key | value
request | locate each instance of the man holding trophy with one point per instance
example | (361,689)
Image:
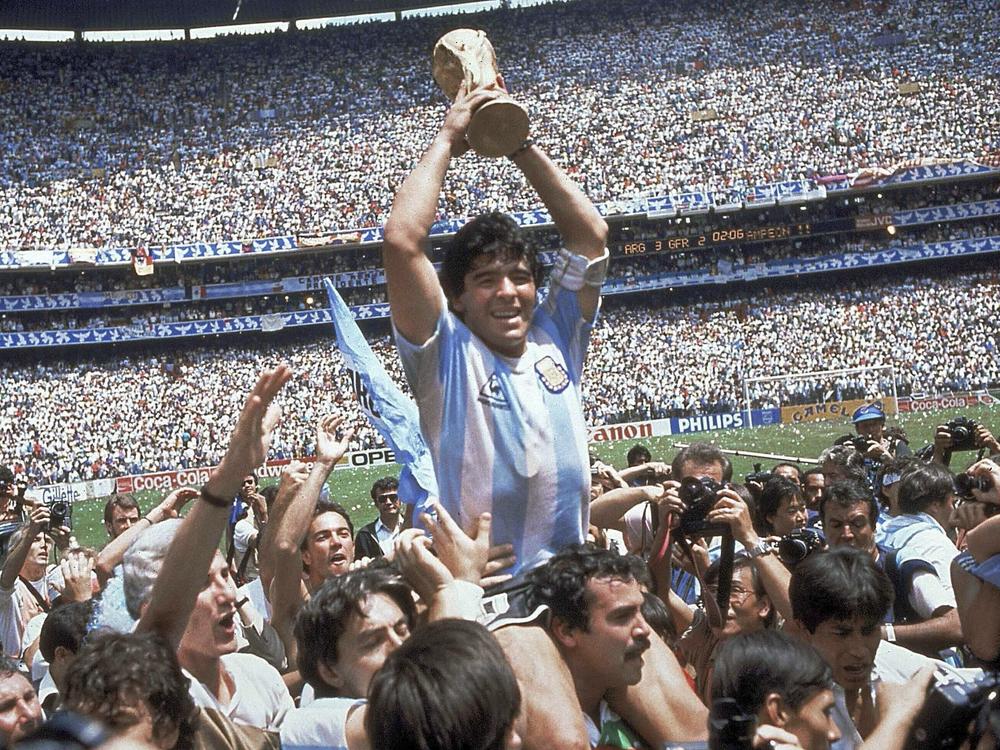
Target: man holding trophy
(496,377)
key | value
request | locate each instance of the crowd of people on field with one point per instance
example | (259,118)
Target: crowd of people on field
(121,145)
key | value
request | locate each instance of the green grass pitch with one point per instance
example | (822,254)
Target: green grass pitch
(350,487)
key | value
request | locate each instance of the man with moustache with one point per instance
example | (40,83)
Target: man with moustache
(376,538)
(595,599)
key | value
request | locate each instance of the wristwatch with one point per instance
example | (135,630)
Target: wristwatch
(763,547)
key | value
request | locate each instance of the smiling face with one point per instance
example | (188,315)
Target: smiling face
(211,629)
(497,303)
(329,548)
(849,647)
(747,611)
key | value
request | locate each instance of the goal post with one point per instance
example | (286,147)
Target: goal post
(872,382)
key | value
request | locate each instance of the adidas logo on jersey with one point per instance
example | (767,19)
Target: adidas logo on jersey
(492,393)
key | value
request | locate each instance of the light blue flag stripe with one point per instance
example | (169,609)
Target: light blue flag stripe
(391,412)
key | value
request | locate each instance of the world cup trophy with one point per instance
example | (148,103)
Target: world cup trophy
(498,127)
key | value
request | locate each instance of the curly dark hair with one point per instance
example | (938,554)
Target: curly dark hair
(323,620)
(561,583)
(495,236)
(116,672)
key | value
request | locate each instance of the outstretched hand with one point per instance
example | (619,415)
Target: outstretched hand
(465,556)
(330,449)
(252,435)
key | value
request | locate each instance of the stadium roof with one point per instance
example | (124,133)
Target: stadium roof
(90,15)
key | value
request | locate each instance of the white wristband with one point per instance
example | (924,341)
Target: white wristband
(572,271)
(890,632)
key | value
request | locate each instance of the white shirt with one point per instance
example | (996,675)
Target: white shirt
(320,725)
(260,698)
(13,617)
(920,536)
(386,537)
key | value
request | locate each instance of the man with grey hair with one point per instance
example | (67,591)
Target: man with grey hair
(165,584)
(841,462)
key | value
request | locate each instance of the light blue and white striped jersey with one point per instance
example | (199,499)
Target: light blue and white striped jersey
(506,435)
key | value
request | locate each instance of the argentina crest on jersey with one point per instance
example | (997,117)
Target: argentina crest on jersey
(552,374)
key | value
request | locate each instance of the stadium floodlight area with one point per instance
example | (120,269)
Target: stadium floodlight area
(872,382)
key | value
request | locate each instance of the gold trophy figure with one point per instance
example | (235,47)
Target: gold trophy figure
(499,127)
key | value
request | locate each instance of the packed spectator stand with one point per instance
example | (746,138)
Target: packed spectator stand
(857,588)
(181,154)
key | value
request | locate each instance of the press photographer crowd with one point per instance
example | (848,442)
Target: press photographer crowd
(505,588)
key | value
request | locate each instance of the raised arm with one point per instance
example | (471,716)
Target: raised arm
(190,555)
(415,298)
(113,552)
(18,553)
(582,228)
(290,524)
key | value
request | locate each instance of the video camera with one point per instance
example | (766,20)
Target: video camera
(757,476)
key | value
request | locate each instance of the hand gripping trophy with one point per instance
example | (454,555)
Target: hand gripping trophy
(498,127)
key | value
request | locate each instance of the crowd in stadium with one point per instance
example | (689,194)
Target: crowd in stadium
(128,413)
(175,131)
(512,591)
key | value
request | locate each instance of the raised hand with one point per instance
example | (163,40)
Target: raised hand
(329,449)
(252,435)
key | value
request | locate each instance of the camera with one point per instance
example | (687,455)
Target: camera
(951,706)
(966,483)
(963,433)
(859,442)
(797,545)
(60,513)
(757,476)
(699,496)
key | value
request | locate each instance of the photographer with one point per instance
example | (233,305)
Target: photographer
(24,585)
(869,423)
(750,610)
(976,573)
(961,434)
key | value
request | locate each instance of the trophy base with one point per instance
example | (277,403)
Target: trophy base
(498,128)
